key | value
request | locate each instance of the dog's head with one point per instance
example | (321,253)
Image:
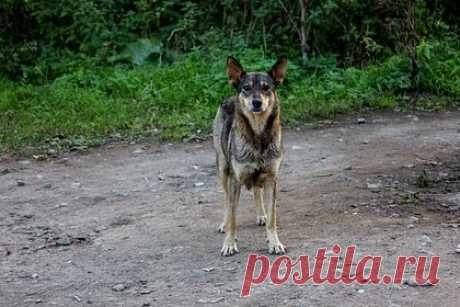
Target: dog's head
(256,90)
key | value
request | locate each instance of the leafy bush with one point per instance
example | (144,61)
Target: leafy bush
(439,68)
(179,100)
(43,39)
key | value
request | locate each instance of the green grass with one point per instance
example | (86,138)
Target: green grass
(178,101)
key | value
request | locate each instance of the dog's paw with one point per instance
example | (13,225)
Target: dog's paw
(276,248)
(274,244)
(229,248)
(261,220)
(221,228)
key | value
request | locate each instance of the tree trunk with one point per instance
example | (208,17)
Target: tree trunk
(302,33)
(412,44)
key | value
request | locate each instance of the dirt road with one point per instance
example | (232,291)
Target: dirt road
(136,225)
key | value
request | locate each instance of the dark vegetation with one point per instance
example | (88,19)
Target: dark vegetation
(73,73)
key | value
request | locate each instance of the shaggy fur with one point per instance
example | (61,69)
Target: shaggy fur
(248,143)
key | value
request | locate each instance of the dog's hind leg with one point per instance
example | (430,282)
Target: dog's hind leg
(222,173)
(274,244)
(229,247)
(260,209)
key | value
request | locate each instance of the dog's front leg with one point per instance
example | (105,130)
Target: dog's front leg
(260,209)
(274,244)
(229,248)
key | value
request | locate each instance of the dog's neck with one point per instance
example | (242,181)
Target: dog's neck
(263,128)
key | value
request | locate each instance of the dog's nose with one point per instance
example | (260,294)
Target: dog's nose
(257,104)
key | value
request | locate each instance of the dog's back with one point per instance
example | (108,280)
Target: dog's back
(222,126)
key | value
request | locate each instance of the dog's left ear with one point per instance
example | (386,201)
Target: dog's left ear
(278,70)
(234,70)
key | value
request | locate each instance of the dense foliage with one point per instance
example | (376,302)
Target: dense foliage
(74,73)
(41,39)
(179,101)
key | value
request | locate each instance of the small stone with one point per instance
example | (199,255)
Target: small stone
(296,147)
(348,168)
(20,183)
(63,160)
(119,287)
(374,186)
(146,291)
(39,157)
(361,121)
(425,240)
(365,142)
(413,219)
(138,151)
(122,194)
(5,171)
(77,298)
(361,291)
(421,250)
(4,252)
(412,282)
(47,186)
(208,269)
(443,175)
(63,241)
(410,166)
(61,205)
(35,276)
(458,249)
(199,184)
(410,226)
(76,185)
(161,178)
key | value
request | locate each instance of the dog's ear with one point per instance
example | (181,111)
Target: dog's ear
(234,70)
(278,70)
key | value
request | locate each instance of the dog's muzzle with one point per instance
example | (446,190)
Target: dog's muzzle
(256,106)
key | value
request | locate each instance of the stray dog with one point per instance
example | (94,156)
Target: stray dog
(247,140)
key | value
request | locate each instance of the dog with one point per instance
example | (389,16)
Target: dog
(248,143)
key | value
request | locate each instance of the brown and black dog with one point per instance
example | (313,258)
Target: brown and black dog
(248,143)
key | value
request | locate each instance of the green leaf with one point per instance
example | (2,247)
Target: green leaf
(139,51)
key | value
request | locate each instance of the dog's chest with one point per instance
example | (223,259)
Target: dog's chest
(252,162)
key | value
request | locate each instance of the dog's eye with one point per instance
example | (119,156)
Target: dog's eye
(246,88)
(265,88)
